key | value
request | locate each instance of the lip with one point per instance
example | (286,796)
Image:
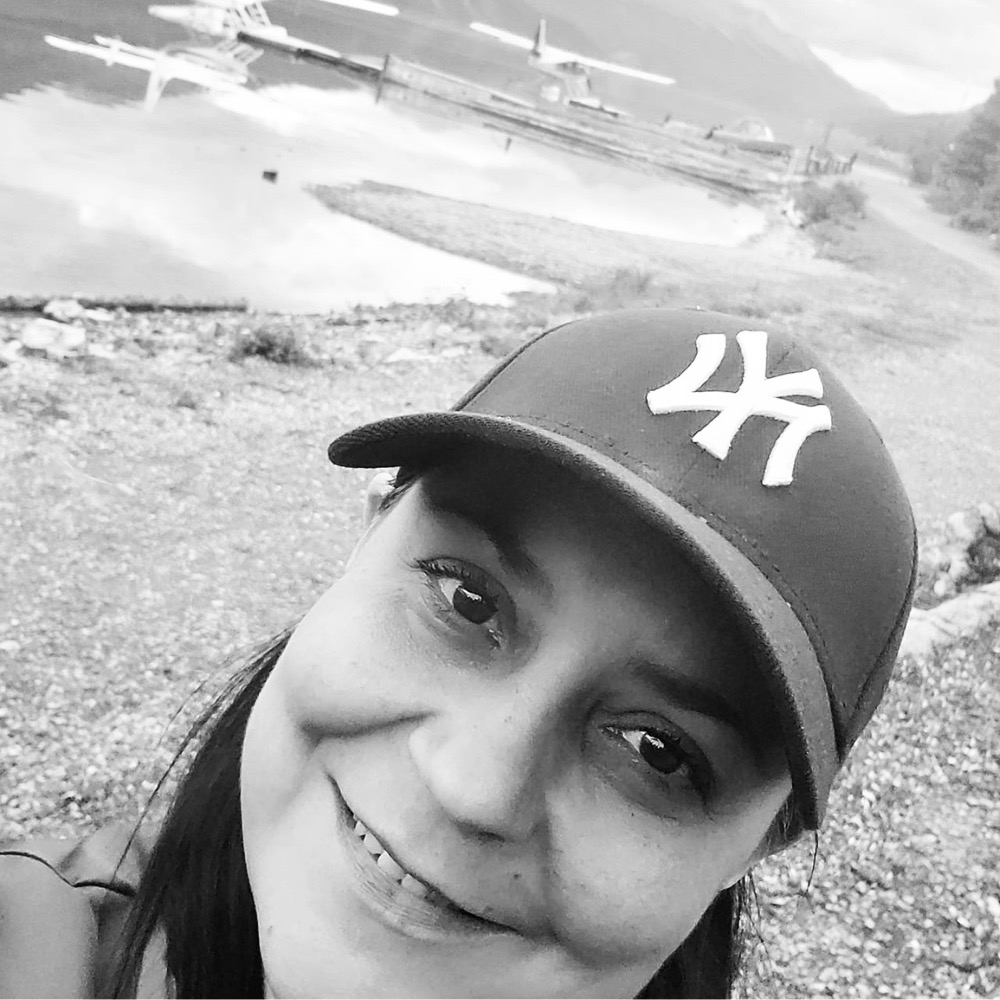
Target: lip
(433,917)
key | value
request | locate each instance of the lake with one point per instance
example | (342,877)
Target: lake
(98,197)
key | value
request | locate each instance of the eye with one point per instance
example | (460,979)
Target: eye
(464,596)
(668,761)
(467,601)
(662,752)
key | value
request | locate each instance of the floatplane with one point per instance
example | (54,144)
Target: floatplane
(243,29)
(571,71)
(247,22)
(224,66)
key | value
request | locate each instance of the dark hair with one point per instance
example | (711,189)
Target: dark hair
(195,887)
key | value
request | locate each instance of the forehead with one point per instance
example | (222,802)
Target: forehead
(519,498)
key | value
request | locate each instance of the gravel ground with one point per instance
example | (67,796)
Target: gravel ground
(165,506)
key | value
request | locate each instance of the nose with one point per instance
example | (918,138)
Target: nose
(489,764)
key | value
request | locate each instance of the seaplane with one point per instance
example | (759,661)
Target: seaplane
(247,22)
(570,70)
(224,66)
(228,18)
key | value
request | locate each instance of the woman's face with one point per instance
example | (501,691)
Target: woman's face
(516,750)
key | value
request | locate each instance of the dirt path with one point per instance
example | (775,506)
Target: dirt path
(904,206)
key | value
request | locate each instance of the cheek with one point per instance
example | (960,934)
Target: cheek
(342,669)
(636,901)
(633,886)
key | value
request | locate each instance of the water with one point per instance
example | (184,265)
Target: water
(98,197)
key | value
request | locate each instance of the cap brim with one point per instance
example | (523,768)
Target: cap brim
(780,643)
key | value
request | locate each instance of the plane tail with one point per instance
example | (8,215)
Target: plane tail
(539,47)
(154,89)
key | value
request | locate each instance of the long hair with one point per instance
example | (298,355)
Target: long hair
(195,888)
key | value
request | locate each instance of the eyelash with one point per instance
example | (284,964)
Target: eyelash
(470,577)
(695,767)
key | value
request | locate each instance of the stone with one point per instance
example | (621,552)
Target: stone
(990,517)
(934,558)
(98,315)
(9,352)
(63,310)
(404,354)
(965,526)
(51,338)
(971,612)
(958,568)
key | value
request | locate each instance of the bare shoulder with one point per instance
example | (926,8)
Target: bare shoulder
(48,931)
(59,902)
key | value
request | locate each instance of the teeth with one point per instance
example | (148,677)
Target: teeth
(390,866)
(388,863)
(410,884)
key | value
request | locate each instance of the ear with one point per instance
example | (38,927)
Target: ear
(379,487)
(375,492)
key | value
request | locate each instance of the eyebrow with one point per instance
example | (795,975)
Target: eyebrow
(514,557)
(689,694)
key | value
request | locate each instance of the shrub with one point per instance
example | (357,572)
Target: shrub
(279,344)
(840,202)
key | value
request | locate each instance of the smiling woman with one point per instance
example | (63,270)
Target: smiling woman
(603,644)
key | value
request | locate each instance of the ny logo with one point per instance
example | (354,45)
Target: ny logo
(757,395)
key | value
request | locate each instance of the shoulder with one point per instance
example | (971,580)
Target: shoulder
(61,904)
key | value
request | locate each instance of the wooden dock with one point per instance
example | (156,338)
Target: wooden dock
(732,165)
(640,145)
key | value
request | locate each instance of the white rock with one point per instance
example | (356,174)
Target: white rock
(962,616)
(966,527)
(55,339)
(958,568)
(64,310)
(408,354)
(933,557)
(98,315)
(9,352)
(990,517)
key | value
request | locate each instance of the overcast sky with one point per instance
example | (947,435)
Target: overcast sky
(917,55)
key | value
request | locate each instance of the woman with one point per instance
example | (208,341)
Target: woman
(603,644)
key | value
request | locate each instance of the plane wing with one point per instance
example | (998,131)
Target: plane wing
(564,58)
(162,66)
(549,55)
(371,6)
(507,37)
(110,50)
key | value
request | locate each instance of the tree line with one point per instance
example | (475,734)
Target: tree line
(964,175)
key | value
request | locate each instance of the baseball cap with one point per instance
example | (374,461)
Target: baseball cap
(751,457)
